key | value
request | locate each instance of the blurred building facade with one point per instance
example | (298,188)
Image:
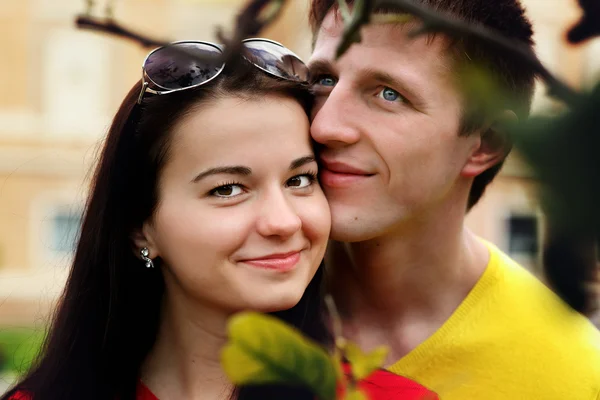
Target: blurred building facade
(60,87)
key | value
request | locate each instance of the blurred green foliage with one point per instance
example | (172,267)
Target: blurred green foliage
(262,349)
(564,150)
(18,348)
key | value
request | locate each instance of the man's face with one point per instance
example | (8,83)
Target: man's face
(387,116)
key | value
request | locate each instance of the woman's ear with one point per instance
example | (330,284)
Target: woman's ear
(144,238)
(492,147)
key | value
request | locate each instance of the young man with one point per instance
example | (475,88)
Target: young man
(405,153)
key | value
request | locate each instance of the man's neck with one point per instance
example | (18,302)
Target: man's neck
(399,289)
(185,360)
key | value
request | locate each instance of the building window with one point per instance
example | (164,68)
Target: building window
(74,92)
(65,231)
(523,238)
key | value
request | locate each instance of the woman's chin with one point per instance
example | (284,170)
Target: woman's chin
(277,303)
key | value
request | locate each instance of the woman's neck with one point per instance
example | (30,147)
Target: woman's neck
(184,363)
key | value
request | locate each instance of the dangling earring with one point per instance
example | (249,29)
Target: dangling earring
(145,253)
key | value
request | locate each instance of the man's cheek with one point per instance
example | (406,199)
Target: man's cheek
(318,104)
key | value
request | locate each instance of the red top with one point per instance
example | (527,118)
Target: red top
(381,385)
(143,393)
(20,396)
(385,385)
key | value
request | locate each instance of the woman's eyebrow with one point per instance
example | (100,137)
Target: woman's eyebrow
(297,163)
(228,169)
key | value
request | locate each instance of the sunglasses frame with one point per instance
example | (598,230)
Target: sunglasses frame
(146,83)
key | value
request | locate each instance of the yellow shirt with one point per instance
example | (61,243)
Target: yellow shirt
(510,339)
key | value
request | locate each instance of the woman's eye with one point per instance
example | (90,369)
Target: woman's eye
(325,80)
(389,94)
(227,191)
(301,181)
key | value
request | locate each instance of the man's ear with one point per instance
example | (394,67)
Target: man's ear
(492,146)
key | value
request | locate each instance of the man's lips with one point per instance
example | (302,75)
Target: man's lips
(336,174)
(278,262)
(342,168)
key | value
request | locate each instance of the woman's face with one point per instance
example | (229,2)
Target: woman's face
(241,221)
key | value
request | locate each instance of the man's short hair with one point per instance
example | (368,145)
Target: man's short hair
(511,75)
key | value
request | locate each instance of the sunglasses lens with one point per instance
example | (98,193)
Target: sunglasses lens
(276,60)
(183,65)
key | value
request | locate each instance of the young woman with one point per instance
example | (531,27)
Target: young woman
(204,203)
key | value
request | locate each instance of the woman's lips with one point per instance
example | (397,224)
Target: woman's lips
(276,262)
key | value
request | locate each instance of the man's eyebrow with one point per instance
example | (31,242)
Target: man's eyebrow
(321,65)
(297,163)
(395,83)
(228,169)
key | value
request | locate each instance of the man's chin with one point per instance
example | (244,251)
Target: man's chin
(351,232)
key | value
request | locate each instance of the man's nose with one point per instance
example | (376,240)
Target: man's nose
(334,123)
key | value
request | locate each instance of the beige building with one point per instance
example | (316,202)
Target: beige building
(60,87)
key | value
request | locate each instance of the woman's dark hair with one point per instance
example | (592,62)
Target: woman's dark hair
(108,316)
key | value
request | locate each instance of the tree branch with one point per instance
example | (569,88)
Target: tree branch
(435,21)
(109,26)
(257,15)
(252,19)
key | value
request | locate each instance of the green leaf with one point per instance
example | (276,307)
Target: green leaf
(344,10)
(391,18)
(485,93)
(356,394)
(363,364)
(262,349)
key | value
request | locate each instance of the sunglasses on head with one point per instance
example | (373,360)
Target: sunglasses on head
(189,64)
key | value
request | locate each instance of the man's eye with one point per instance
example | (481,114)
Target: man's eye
(389,94)
(325,80)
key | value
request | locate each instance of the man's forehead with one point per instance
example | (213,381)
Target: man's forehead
(392,39)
